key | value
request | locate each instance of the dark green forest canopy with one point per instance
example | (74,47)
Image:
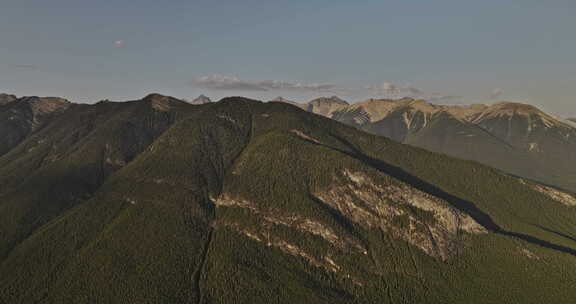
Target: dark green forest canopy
(160,201)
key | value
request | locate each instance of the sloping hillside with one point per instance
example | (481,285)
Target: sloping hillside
(160,201)
(516,138)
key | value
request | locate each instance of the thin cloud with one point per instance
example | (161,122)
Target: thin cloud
(391,90)
(386,89)
(442,98)
(496,93)
(228,83)
(119,44)
(27,67)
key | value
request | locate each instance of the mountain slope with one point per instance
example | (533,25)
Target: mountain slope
(245,202)
(282,99)
(6,99)
(571,121)
(325,106)
(516,138)
(20,117)
(64,162)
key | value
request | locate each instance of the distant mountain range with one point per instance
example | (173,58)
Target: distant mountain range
(516,138)
(238,201)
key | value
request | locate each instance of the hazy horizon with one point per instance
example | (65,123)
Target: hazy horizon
(514,50)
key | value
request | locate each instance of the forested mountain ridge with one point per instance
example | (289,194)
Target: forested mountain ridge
(161,201)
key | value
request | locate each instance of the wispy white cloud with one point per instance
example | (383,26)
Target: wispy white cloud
(26,67)
(391,90)
(386,89)
(219,82)
(496,93)
(119,44)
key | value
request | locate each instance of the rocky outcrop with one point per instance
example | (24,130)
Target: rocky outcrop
(325,106)
(424,221)
(162,103)
(294,221)
(42,106)
(6,99)
(557,195)
(202,99)
(266,232)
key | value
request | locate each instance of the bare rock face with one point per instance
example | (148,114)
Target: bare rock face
(557,195)
(20,117)
(46,105)
(397,209)
(408,214)
(266,234)
(36,110)
(160,102)
(6,99)
(325,106)
(202,99)
(303,135)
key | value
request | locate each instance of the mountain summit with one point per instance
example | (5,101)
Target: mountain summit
(20,117)
(202,99)
(6,99)
(326,105)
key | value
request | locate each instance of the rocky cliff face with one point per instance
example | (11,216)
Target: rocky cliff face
(424,221)
(6,99)
(325,106)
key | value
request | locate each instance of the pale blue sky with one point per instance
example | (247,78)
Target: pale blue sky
(444,48)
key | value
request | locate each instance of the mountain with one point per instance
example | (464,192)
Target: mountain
(202,99)
(282,99)
(6,99)
(20,117)
(517,138)
(326,105)
(571,121)
(159,201)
